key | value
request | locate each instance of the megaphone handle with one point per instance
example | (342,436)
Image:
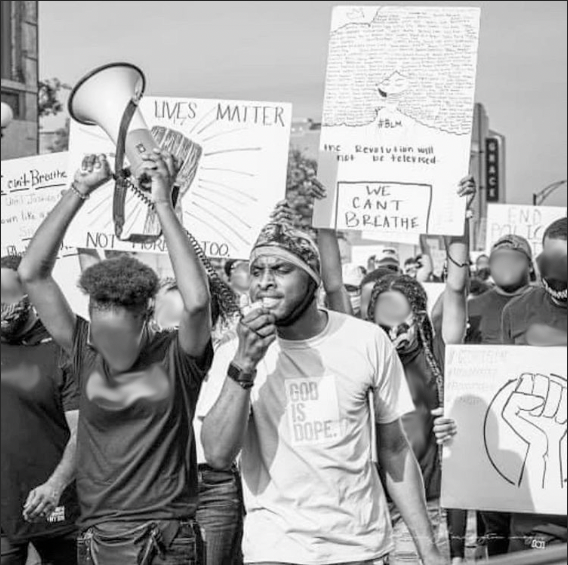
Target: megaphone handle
(121,187)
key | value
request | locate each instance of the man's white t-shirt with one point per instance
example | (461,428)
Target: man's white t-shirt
(312,493)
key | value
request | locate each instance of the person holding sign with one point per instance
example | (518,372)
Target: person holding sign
(295,401)
(399,305)
(136,472)
(539,318)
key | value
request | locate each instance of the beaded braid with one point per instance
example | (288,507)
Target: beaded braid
(418,300)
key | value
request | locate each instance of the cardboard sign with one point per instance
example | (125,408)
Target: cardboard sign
(529,222)
(234,159)
(398,113)
(510,405)
(31,187)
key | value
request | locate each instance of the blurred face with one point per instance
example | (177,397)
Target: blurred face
(279,285)
(240,278)
(169,309)
(510,269)
(482,263)
(394,314)
(12,289)
(553,266)
(118,335)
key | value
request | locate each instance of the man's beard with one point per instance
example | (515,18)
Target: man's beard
(301,308)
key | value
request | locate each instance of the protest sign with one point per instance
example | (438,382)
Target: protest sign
(434,291)
(528,221)
(234,159)
(510,407)
(398,112)
(31,187)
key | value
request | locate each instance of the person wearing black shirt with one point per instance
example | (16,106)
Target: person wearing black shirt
(511,265)
(39,423)
(539,318)
(136,471)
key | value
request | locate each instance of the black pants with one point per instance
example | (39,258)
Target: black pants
(53,551)
(497,532)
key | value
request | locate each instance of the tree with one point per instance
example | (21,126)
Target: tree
(48,97)
(60,139)
(297,188)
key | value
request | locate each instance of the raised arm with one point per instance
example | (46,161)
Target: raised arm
(225,426)
(195,324)
(36,269)
(454,322)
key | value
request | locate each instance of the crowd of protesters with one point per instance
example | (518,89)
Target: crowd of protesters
(296,417)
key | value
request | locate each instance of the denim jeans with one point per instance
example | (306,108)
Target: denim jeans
(53,551)
(122,543)
(405,551)
(220,515)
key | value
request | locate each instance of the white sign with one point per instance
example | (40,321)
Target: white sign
(510,405)
(527,221)
(31,187)
(234,157)
(398,112)
(434,292)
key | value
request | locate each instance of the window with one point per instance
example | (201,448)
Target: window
(7,37)
(13,99)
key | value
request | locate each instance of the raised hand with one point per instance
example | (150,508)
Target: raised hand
(160,171)
(94,172)
(468,189)
(283,213)
(256,332)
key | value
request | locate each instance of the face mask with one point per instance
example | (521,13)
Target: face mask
(15,317)
(355,303)
(554,277)
(403,335)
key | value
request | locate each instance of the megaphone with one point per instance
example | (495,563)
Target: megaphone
(108,97)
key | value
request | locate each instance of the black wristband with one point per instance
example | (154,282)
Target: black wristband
(244,380)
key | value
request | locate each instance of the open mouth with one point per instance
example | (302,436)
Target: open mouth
(270,303)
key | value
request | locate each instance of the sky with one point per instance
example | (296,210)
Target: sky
(277,51)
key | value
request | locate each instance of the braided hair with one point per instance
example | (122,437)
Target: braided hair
(418,299)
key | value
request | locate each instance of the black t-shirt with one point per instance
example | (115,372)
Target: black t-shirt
(419,425)
(485,317)
(37,390)
(136,451)
(535,319)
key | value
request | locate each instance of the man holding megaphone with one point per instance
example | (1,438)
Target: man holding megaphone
(136,471)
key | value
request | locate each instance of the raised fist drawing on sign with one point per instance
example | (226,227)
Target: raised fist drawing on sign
(537,413)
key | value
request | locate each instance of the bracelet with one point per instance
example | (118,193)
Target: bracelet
(459,265)
(76,191)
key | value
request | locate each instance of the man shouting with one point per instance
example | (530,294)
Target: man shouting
(296,402)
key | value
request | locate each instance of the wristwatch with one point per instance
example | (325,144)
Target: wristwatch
(242,378)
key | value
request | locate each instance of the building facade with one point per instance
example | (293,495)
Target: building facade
(19,55)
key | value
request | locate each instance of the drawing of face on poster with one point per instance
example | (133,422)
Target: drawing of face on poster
(391,91)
